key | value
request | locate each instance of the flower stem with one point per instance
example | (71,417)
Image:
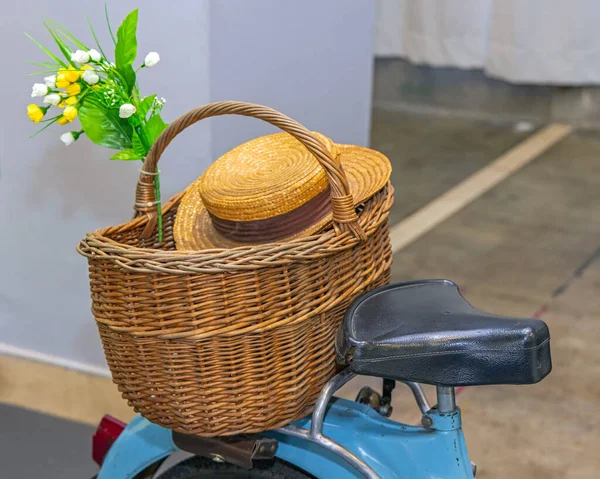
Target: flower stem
(143,138)
(158,205)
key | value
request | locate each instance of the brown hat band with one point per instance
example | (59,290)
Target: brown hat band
(276,227)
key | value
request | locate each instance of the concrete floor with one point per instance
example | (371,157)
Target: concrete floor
(431,155)
(36,445)
(528,246)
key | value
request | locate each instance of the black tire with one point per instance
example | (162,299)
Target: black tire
(200,468)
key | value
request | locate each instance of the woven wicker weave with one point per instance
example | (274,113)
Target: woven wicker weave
(220,342)
(240,192)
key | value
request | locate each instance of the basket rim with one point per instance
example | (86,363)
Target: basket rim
(98,245)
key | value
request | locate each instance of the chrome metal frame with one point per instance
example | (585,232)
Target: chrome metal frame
(419,395)
(446,399)
(315,434)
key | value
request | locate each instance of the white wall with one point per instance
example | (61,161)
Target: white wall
(310,59)
(50,195)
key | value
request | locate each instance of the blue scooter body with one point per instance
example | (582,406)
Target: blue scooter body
(393,450)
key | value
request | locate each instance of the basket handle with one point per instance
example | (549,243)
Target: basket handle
(342,204)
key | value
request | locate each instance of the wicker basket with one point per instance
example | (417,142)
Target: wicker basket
(221,342)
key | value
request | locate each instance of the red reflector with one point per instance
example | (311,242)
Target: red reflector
(107,433)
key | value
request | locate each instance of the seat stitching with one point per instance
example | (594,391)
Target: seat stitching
(439,353)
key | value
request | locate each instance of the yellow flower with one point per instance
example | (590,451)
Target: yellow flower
(35,113)
(74,89)
(61,80)
(62,104)
(72,74)
(86,67)
(71,100)
(70,113)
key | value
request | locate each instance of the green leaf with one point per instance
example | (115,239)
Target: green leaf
(104,127)
(108,24)
(145,105)
(45,72)
(126,155)
(95,37)
(50,123)
(47,52)
(154,127)
(61,44)
(126,48)
(138,146)
(67,35)
(48,65)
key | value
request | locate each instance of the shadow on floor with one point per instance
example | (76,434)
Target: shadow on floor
(35,445)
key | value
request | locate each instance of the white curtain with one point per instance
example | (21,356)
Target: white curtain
(522,41)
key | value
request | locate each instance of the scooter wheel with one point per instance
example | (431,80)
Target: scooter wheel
(200,468)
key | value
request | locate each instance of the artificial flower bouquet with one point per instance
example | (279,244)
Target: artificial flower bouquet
(102,94)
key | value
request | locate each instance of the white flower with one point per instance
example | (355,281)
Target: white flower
(159,102)
(67,138)
(90,77)
(94,55)
(80,56)
(151,59)
(50,81)
(39,89)
(52,99)
(126,110)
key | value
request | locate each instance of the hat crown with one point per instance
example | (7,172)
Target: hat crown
(263,178)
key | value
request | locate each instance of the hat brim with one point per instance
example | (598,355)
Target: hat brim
(367,172)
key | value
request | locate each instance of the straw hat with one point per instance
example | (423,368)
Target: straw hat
(271,189)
